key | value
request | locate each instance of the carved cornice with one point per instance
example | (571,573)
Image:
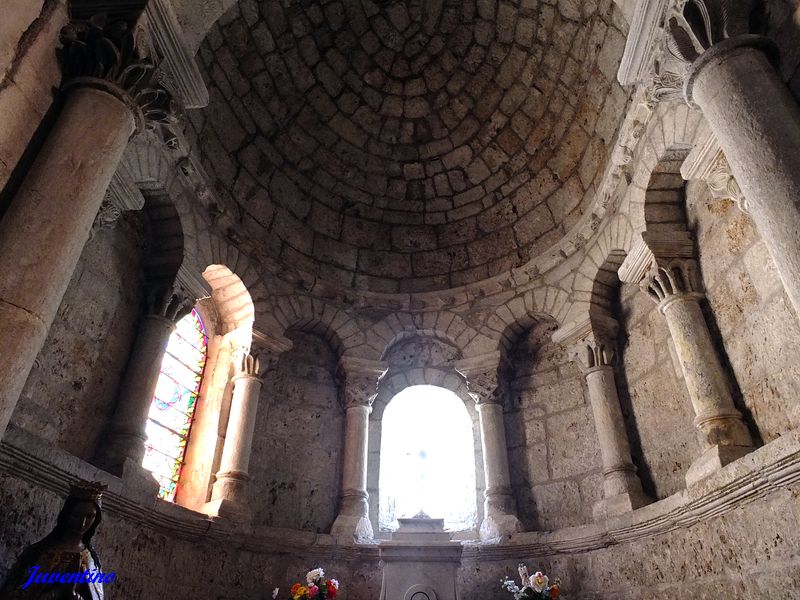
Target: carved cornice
(591,342)
(102,53)
(771,469)
(654,248)
(707,162)
(276,344)
(644,39)
(167,48)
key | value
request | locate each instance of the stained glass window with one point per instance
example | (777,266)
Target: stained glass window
(172,409)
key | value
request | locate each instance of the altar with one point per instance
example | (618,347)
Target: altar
(420,562)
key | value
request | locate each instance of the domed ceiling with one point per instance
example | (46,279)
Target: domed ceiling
(413,145)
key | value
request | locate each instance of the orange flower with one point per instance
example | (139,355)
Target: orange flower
(294,589)
(555,592)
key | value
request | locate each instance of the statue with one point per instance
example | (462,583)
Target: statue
(63,565)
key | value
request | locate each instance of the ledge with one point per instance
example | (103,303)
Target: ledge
(760,473)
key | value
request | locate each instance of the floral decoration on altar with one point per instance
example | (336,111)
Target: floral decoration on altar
(532,587)
(317,587)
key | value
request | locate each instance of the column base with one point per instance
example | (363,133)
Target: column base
(619,505)
(712,460)
(228,509)
(350,528)
(138,483)
(499,525)
(118,449)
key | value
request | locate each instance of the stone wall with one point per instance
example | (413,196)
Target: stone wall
(28,71)
(153,563)
(752,318)
(751,552)
(295,461)
(653,396)
(70,392)
(553,451)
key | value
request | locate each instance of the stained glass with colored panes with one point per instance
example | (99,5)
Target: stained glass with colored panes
(172,409)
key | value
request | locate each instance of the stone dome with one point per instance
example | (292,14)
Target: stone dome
(416,145)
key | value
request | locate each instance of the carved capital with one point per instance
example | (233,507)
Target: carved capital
(247,364)
(169,302)
(697,29)
(707,162)
(358,389)
(101,52)
(486,387)
(697,25)
(590,342)
(107,216)
(669,280)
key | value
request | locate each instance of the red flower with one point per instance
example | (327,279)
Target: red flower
(330,590)
(294,589)
(555,592)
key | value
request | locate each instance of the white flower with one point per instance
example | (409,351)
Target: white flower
(275,593)
(335,583)
(314,574)
(523,574)
(539,581)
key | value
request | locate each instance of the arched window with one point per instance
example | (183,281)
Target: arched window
(172,409)
(427,459)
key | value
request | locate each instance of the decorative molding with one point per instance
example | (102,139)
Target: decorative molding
(271,343)
(167,47)
(765,471)
(644,40)
(122,191)
(707,162)
(651,248)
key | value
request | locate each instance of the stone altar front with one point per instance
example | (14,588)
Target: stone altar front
(420,562)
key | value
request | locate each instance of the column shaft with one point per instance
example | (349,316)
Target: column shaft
(723,433)
(241,425)
(499,508)
(757,123)
(353,517)
(126,435)
(229,493)
(43,233)
(621,486)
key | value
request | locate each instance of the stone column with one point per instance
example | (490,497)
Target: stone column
(674,285)
(229,493)
(731,78)
(500,510)
(48,222)
(592,345)
(358,393)
(123,443)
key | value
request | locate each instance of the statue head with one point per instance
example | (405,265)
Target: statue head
(81,513)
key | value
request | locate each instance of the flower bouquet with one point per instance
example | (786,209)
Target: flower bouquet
(536,587)
(316,588)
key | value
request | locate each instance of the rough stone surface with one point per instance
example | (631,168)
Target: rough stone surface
(296,456)
(553,450)
(66,398)
(407,123)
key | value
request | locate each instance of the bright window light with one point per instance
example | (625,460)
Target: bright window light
(427,459)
